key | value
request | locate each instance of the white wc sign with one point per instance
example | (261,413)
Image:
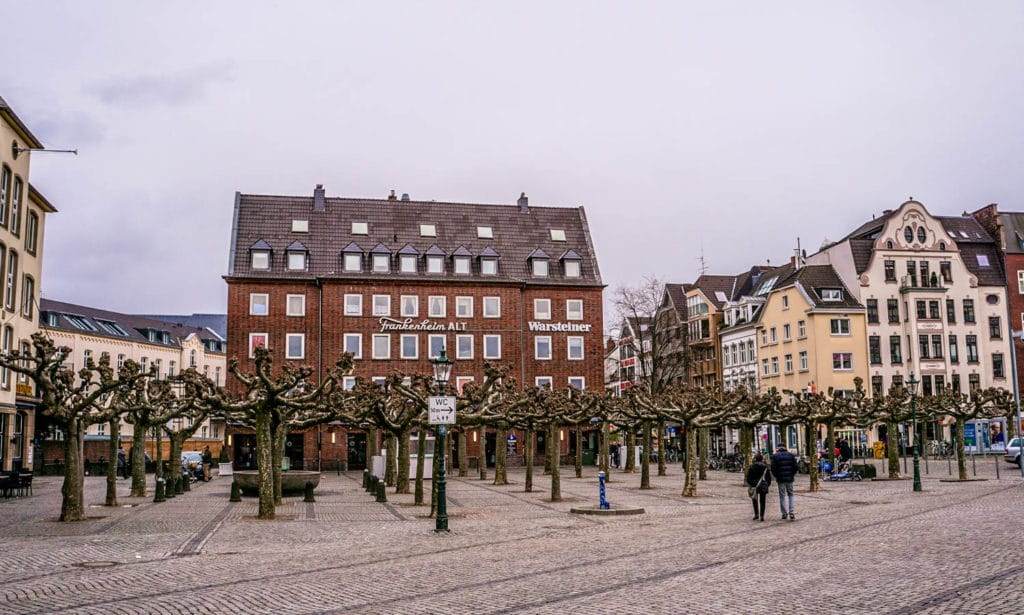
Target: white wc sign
(441,410)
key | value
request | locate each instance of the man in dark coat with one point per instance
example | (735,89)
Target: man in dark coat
(845,451)
(784,468)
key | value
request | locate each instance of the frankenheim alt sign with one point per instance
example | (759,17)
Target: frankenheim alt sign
(408,324)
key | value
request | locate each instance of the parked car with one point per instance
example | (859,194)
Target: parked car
(1012,453)
(192,464)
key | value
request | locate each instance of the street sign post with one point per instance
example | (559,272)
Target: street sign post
(441,410)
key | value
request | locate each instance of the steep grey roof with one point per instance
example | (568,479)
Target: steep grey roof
(218,323)
(518,232)
(1013,231)
(816,278)
(97,322)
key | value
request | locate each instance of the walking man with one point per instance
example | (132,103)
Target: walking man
(207,463)
(784,467)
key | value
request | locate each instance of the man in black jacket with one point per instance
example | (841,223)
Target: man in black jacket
(784,468)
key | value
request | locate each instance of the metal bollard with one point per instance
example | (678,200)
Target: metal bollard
(186,484)
(236,492)
(309,493)
(366,479)
(169,488)
(179,484)
(382,495)
(601,476)
(158,492)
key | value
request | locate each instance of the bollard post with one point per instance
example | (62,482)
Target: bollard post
(169,488)
(179,484)
(338,466)
(158,491)
(382,495)
(236,492)
(996,459)
(309,493)
(366,478)
(186,484)
(601,476)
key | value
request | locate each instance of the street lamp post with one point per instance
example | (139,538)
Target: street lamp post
(912,385)
(442,371)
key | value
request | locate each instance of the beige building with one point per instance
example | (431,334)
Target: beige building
(168,347)
(810,336)
(23,211)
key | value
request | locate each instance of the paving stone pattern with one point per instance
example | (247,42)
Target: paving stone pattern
(867,547)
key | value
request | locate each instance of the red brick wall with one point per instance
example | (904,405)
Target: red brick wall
(1015,263)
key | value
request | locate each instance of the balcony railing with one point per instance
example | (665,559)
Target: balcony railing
(909,283)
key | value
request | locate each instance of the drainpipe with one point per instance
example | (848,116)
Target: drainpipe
(319,357)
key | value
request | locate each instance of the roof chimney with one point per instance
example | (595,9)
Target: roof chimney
(392,197)
(524,203)
(405,196)
(318,198)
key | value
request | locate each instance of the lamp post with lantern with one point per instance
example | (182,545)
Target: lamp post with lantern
(912,386)
(441,412)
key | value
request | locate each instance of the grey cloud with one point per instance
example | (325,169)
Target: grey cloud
(174,87)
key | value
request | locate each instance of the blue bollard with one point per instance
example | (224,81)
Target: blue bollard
(604,503)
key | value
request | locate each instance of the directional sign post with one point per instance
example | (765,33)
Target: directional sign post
(441,410)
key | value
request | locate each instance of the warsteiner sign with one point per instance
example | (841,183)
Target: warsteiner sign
(559,327)
(393,324)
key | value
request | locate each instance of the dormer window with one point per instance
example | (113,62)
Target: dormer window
(352,258)
(260,255)
(831,294)
(428,230)
(571,264)
(539,263)
(297,254)
(557,234)
(381,258)
(488,262)
(300,226)
(435,260)
(461,261)
(484,232)
(360,228)
(407,258)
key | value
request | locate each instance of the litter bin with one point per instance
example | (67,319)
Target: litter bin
(588,458)
(878,450)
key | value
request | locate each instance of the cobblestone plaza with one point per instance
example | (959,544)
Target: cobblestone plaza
(867,547)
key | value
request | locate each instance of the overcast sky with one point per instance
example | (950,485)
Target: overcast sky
(715,128)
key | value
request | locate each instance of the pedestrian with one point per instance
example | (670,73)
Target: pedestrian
(122,462)
(784,469)
(845,451)
(759,479)
(207,463)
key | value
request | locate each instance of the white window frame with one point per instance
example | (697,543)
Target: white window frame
(573,268)
(802,357)
(433,337)
(358,337)
(801,329)
(489,303)
(540,268)
(301,262)
(488,265)
(414,304)
(539,311)
(461,302)
(252,338)
(353,308)
(557,234)
(407,263)
(442,303)
(301,299)
(484,232)
(544,381)
(832,328)
(405,337)
(381,337)
(381,263)
(351,261)
(435,264)
(254,301)
(571,311)
(348,383)
(848,368)
(459,339)
(536,348)
(1020,281)
(384,308)
(462,265)
(258,256)
(288,345)
(582,383)
(360,228)
(428,230)
(492,338)
(570,344)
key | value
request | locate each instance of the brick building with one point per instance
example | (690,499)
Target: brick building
(396,280)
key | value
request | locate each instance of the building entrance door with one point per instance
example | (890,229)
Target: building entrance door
(356,451)
(489,449)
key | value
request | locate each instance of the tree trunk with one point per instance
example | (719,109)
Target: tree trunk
(391,466)
(702,445)
(556,479)
(500,455)
(279,435)
(265,465)
(463,455)
(115,446)
(138,460)
(605,449)
(158,454)
(961,459)
(661,448)
(893,437)
(402,476)
(830,446)
(72,506)
(645,457)
(421,453)
(811,437)
(747,444)
(690,486)
(528,455)
(482,463)
(177,443)
(579,452)
(630,449)
(371,445)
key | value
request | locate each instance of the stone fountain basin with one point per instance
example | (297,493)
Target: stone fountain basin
(293,482)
